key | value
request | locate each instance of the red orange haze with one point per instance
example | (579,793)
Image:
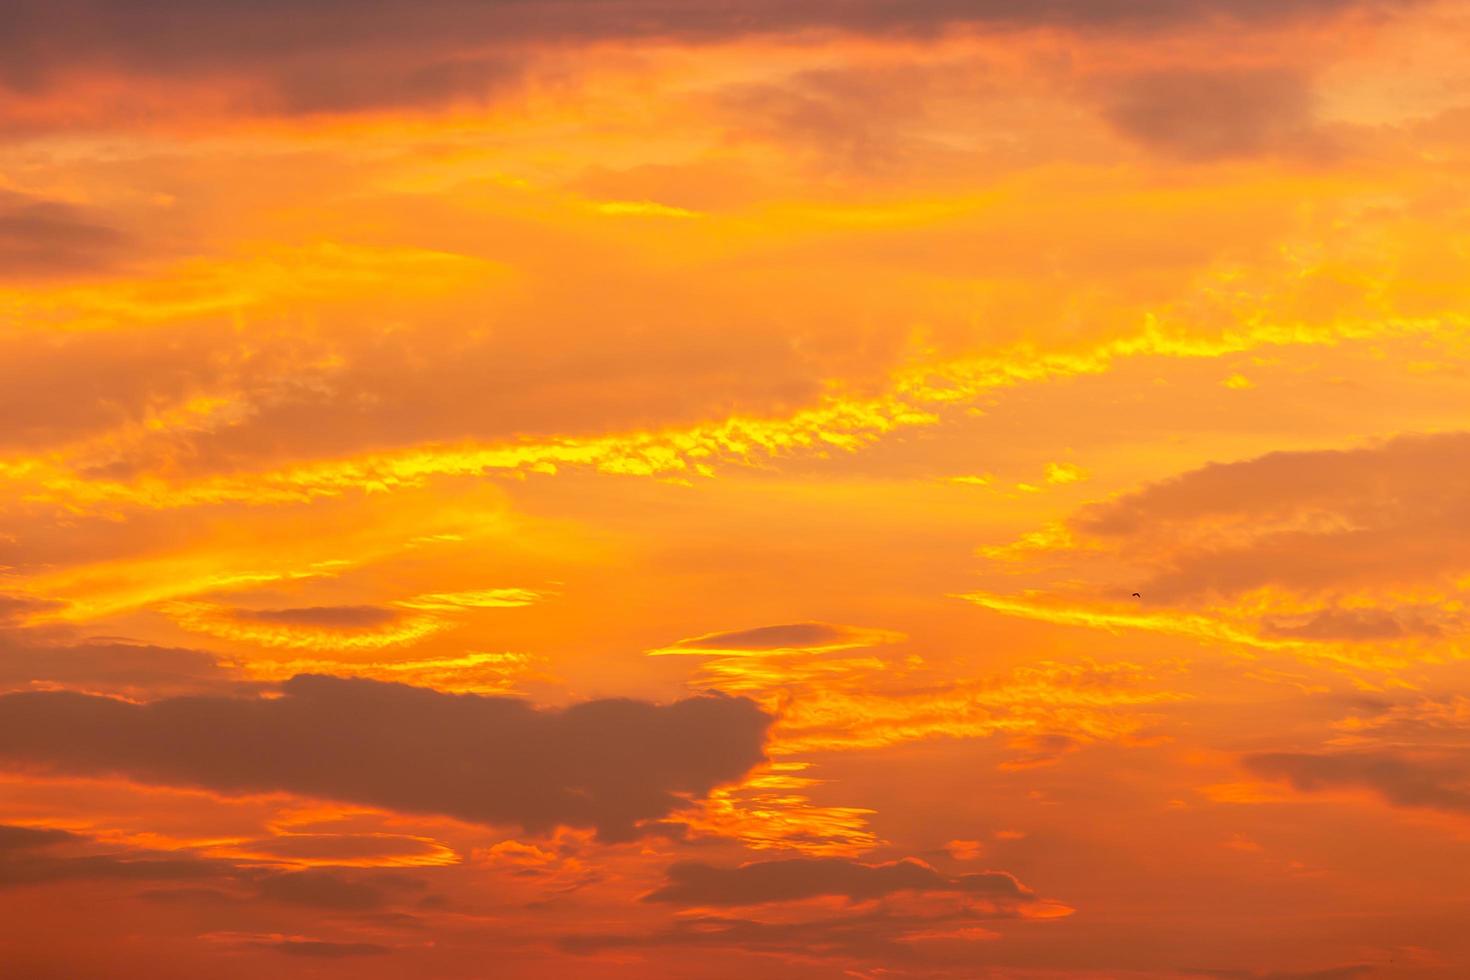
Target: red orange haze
(703,489)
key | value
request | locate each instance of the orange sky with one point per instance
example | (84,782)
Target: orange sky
(656,488)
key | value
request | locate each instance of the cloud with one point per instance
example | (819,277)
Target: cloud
(333,628)
(1426,723)
(1205,115)
(1353,624)
(1310,519)
(344,850)
(337,628)
(506,598)
(789,636)
(1310,551)
(608,764)
(333,617)
(474,673)
(1435,783)
(39,237)
(693,883)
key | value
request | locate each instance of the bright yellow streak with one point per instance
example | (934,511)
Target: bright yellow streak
(1183,624)
(837,424)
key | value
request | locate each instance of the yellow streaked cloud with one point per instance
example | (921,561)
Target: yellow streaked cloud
(509,598)
(470,673)
(770,811)
(229,623)
(1180,623)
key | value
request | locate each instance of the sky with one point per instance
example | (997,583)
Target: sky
(717,488)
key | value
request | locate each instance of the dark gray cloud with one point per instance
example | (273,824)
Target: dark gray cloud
(39,237)
(341,54)
(1205,115)
(608,765)
(693,883)
(332,617)
(1437,783)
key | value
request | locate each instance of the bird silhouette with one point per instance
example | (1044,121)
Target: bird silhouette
(1137,596)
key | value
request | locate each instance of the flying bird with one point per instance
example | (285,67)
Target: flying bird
(1137,596)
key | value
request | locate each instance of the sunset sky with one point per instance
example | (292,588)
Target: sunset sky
(657,489)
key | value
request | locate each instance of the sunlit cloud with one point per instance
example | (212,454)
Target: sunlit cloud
(470,673)
(481,599)
(808,637)
(279,628)
(340,851)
